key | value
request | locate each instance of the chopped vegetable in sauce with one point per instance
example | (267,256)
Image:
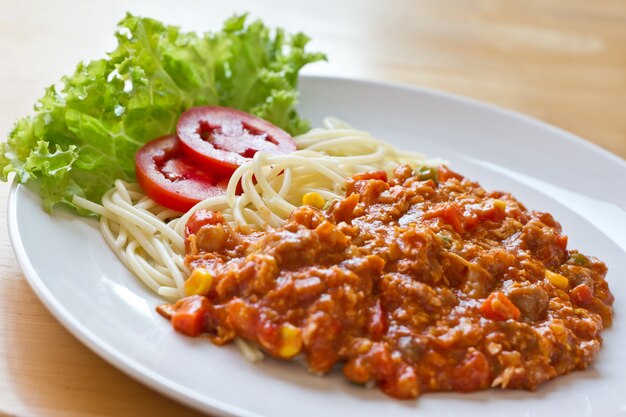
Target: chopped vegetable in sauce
(412,284)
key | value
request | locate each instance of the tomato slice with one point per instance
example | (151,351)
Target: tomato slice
(171,179)
(223,138)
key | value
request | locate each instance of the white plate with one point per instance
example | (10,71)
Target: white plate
(83,284)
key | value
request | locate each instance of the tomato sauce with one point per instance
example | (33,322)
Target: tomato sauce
(417,283)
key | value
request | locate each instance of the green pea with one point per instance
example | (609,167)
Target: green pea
(425,173)
(580,259)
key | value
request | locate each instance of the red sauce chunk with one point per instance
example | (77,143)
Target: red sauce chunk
(417,284)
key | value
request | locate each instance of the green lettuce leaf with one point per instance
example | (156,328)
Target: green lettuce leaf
(86,129)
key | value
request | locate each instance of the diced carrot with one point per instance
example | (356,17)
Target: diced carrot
(471,221)
(445,174)
(473,373)
(371,175)
(356,182)
(404,384)
(244,318)
(189,315)
(454,216)
(498,307)
(582,295)
(561,242)
(449,213)
(166,310)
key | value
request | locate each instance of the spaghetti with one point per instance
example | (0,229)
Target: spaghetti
(149,239)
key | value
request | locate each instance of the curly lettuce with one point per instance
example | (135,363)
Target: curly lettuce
(86,129)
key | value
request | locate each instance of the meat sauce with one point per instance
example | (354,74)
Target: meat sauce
(421,282)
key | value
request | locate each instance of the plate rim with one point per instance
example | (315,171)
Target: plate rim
(126,365)
(486,105)
(170,388)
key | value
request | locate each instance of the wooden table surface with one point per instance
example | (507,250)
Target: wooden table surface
(562,61)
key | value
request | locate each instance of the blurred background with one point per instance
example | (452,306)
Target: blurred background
(562,61)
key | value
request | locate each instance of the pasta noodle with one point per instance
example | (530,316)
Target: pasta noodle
(149,239)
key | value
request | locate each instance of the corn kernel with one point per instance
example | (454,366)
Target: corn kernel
(199,282)
(561,294)
(557,280)
(557,327)
(290,341)
(499,205)
(313,199)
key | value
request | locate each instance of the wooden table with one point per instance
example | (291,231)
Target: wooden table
(562,61)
